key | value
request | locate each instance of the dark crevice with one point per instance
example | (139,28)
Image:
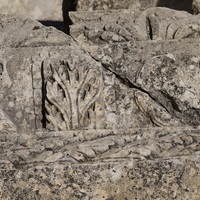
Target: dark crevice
(185,5)
(67,6)
(149,28)
(129,84)
(44,120)
(33,92)
(174,34)
(57,24)
(126,81)
(171,99)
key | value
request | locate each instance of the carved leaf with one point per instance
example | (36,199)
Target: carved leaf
(71,94)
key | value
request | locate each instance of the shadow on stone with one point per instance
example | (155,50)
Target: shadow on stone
(57,24)
(176,4)
(67,6)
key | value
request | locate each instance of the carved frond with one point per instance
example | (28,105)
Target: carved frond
(71,94)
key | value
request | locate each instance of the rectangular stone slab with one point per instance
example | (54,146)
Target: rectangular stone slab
(158,179)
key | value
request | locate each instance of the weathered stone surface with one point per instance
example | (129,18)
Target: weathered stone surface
(40,10)
(145,63)
(126,25)
(100,145)
(19,31)
(108,5)
(118,120)
(148,67)
(161,179)
(114,164)
(18,94)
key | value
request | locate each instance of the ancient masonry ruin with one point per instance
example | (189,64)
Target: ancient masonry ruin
(109,112)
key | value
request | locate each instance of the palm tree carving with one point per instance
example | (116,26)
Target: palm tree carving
(71,95)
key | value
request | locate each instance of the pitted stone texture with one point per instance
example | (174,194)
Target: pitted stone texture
(40,10)
(137,164)
(100,101)
(131,180)
(113,164)
(164,73)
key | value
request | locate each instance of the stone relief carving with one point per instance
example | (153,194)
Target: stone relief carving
(73,96)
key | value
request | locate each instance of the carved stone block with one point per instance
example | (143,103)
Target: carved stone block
(101,118)
(95,28)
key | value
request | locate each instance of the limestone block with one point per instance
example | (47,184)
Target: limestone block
(64,88)
(160,90)
(92,5)
(79,93)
